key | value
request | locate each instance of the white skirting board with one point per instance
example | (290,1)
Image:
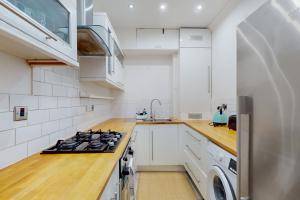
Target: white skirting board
(160,168)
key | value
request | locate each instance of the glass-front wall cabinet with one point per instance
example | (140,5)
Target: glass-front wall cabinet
(49,13)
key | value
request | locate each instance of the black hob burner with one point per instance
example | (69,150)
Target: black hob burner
(88,142)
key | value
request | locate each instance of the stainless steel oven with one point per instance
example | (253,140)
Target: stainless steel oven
(127,174)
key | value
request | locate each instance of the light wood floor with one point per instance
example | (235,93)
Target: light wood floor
(164,186)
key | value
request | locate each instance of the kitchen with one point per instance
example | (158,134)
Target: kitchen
(143,100)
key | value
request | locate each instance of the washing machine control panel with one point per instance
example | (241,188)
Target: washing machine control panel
(232,166)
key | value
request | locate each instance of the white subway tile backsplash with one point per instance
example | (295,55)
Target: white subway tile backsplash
(73,92)
(60,91)
(75,102)
(39,88)
(47,102)
(38,145)
(7,138)
(23,100)
(64,102)
(50,127)
(6,121)
(67,112)
(28,133)
(55,112)
(13,154)
(65,123)
(38,116)
(56,136)
(53,78)
(4,102)
(38,74)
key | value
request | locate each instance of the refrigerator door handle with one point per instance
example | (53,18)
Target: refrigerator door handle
(244,130)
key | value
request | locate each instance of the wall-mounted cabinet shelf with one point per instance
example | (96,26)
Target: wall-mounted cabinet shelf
(97,97)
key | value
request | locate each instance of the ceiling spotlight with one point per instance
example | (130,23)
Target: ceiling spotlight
(131,5)
(163,7)
(199,7)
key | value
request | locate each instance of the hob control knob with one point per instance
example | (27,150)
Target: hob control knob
(125,159)
(130,151)
(125,171)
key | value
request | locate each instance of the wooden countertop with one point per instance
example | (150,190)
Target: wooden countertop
(64,176)
(84,176)
(221,136)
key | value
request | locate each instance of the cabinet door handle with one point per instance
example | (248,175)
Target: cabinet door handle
(187,165)
(152,144)
(244,134)
(189,148)
(208,79)
(192,136)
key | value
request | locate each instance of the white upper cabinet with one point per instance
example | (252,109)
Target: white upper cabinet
(105,70)
(158,39)
(192,37)
(39,29)
(195,82)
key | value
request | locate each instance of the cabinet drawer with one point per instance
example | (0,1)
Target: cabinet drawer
(196,144)
(197,174)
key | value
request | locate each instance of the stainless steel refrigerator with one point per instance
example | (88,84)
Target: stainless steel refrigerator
(268,80)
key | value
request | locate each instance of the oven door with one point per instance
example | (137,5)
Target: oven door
(125,190)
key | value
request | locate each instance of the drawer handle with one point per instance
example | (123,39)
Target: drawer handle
(189,148)
(193,136)
(187,165)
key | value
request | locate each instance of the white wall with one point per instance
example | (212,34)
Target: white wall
(224,52)
(146,78)
(55,109)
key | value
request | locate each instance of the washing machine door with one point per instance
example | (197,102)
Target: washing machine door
(219,187)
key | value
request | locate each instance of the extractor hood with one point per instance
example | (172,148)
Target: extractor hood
(92,40)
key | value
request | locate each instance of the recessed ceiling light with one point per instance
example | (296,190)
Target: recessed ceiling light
(131,6)
(199,7)
(163,7)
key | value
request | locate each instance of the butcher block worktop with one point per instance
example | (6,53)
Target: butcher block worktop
(63,176)
(84,176)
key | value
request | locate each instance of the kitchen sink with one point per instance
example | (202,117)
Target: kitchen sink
(157,120)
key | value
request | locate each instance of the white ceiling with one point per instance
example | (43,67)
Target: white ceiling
(146,13)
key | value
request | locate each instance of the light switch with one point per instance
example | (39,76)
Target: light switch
(20,113)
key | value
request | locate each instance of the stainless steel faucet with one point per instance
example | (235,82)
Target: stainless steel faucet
(152,116)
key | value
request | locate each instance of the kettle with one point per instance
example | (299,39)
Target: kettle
(220,118)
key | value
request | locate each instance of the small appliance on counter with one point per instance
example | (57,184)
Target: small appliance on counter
(142,115)
(220,118)
(232,122)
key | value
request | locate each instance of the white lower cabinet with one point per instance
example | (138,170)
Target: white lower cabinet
(194,151)
(164,139)
(170,144)
(142,145)
(156,145)
(112,189)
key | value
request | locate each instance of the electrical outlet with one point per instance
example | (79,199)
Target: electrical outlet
(20,113)
(90,108)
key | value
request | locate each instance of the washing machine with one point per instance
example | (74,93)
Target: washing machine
(222,175)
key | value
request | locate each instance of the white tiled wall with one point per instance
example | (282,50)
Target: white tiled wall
(146,78)
(55,109)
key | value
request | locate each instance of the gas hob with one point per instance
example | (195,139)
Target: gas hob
(88,142)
